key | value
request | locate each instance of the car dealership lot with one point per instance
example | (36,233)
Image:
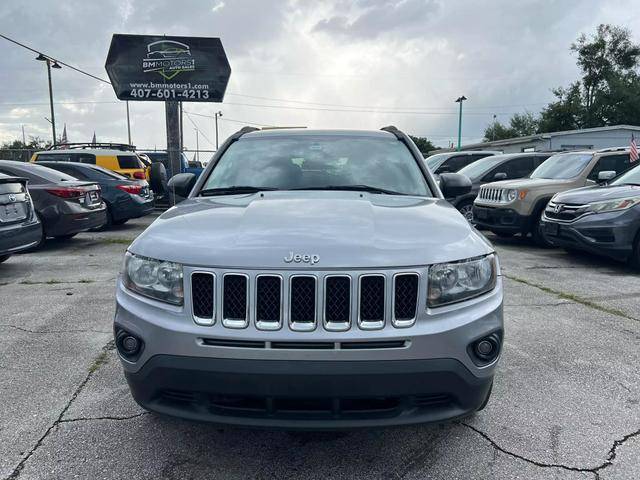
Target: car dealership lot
(566,402)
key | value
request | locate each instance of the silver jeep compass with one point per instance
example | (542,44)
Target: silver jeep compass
(312,280)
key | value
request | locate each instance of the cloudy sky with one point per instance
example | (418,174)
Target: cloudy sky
(318,63)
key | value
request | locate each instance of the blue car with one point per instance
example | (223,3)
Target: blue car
(125,198)
(185,165)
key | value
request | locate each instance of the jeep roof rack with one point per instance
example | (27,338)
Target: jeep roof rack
(87,145)
(612,149)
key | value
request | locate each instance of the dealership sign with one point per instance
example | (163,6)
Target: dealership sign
(183,69)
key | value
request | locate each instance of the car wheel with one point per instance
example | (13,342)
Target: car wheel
(538,236)
(466,209)
(4,258)
(122,221)
(158,178)
(634,260)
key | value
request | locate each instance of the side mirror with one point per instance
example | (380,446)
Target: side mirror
(182,184)
(606,175)
(454,184)
(500,176)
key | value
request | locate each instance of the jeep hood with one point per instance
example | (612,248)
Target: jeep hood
(581,196)
(345,229)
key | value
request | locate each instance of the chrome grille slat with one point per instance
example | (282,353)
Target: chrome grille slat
(235,300)
(268,302)
(303,305)
(203,297)
(371,301)
(337,302)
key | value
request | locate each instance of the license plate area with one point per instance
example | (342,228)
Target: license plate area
(13,212)
(552,229)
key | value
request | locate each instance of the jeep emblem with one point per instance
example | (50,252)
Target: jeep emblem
(302,258)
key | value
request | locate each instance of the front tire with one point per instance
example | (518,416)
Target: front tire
(538,236)
(634,260)
(466,209)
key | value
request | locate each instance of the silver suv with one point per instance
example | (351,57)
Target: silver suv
(311,280)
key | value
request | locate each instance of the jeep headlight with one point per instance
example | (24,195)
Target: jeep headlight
(458,281)
(613,205)
(511,195)
(152,278)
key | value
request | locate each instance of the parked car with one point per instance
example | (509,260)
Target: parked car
(312,279)
(493,168)
(602,219)
(509,207)
(125,199)
(453,161)
(20,228)
(65,205)
(186,166)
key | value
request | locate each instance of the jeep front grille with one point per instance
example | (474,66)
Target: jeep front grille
(490,194)
(301,301)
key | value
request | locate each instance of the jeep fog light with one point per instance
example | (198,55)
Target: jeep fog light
(154,278)
(458,281)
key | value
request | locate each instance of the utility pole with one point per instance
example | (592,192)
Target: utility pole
(181,130)
(128,123)
(197,146)
(217,114)
(50,64)
(24,141)
(174,149)
(460,100)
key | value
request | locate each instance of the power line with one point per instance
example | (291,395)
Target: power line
(226,119)
(198,128)
(55,59)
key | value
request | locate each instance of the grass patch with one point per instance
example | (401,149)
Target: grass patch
(572,297)
(117,241)
(99,361)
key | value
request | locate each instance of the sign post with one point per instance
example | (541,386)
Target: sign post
(171,70)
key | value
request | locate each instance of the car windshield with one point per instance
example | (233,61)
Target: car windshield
(319,161)
(480,167)
(434,161)
(562,165)
(632,176)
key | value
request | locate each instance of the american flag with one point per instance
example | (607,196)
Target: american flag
(633,156)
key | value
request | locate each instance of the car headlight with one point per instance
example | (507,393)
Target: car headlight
(613,205)
(511,195)
(458,281)
(152,278)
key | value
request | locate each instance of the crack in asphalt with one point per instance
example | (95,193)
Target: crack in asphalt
(103,352)
(573,298)
(611,455)
(22,329)
(107,417)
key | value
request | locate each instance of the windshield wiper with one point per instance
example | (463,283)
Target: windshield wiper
(626,183)
(356,188)
(210,192)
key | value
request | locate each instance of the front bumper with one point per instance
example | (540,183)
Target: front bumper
(17,237)
(429,377)
(307,394)
(500,220)
(611,234)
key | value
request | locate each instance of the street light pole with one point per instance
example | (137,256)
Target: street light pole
(460,100)
(216,115)
(55,64)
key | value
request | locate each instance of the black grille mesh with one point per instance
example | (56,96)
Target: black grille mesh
(202,294)
(268,299)
(235,297)
(406,297)
(372,298)
(303,299)
(337,299)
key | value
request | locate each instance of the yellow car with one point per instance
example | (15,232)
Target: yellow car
(119,158)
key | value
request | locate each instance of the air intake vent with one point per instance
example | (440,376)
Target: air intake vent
(405,299)
(337,302)
(234,306)
(302,303)
(372,302)
(268,302)
(202,294)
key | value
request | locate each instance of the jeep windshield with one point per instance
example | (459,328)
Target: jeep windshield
(562,166)
(317,162)
(480,167)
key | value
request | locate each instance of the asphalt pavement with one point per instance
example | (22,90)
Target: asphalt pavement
(565,404)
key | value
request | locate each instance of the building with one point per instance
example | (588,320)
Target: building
(587,138)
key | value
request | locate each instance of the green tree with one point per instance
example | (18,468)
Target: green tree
(520,125)
(424,145)
(20,151)
(608,90)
